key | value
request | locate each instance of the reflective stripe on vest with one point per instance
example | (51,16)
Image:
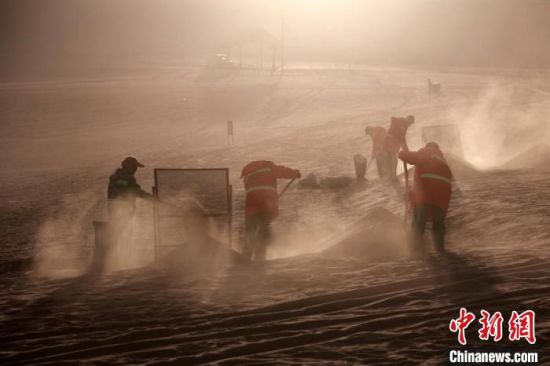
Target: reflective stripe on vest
(436,176)
(262,170)
(261,188)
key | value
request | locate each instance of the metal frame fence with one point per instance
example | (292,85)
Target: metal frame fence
(226,212)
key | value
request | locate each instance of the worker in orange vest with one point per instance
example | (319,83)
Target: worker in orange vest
(262,203)
(396,140)
(379,151)
(431,192)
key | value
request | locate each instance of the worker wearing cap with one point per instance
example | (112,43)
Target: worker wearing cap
(123,186)
(379,151)
(122,193)
(431,192)
(396,140)
(262,203)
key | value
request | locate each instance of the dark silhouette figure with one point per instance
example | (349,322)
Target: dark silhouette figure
(122,193)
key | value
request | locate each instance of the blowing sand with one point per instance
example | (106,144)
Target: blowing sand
(340,286)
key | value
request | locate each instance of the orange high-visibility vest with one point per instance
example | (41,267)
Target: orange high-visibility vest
(432,177)
(260,182)
(395,138)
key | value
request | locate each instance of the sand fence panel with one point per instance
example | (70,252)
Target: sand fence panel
(180,191)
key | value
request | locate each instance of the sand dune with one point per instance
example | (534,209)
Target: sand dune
(536,157)
(380,235)
(461,168)
(346,304)
(340,286)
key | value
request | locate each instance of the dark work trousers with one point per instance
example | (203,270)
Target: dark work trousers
(381,164)
(420,216)
(391,164)
(257,236)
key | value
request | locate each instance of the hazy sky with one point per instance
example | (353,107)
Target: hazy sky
(40,36)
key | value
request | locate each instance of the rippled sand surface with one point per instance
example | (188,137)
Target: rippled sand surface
(341,286)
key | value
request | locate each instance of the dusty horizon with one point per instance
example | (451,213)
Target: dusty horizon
(279,212)
(64,39)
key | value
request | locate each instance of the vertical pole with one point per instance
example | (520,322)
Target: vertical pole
(406,192)
(282,44)
(230,132)
(261,54)
(230,218)
(273,58)
(155,223)
(240,55)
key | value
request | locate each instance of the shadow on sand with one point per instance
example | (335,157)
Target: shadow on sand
(462,279)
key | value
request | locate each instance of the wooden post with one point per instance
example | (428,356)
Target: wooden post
(406,192)
(155,222)
(282,44)
(230,140)
(230,218)
(261,55)
(240,55)
(273,59)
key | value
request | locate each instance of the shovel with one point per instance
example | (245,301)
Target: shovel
(406,217)
(286,187)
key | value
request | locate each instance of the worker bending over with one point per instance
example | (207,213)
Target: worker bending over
(379,151)
(396,140)
(262,203)
(431,192)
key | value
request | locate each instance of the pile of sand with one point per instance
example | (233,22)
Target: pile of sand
(332,182)
(378,235)
(199,251)
(537,157)
(461,168)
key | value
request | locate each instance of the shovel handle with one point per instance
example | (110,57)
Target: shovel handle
(286,187)
(406,192)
